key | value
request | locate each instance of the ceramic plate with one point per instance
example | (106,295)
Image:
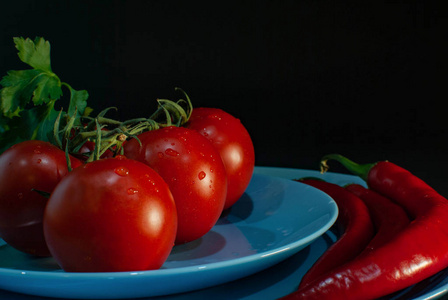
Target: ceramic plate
(274,219)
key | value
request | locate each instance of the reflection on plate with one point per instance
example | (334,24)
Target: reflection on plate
(273,220)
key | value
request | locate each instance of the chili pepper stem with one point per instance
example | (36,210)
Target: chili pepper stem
(356,169)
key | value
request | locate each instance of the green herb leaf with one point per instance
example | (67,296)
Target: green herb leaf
(28,97)
(17,129)
(21,87)
(45,116)
(39,84)
(34,53)
(78,101)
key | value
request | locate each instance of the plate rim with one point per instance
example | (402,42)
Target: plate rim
(59,275)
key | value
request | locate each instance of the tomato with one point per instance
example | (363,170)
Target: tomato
(24,168)
(193,170)
(230,137)
(111,215)
(88,147)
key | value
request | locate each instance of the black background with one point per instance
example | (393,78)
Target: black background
(366,79)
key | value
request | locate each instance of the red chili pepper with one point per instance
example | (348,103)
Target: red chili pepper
(355,223)
(416,253)
(389,218)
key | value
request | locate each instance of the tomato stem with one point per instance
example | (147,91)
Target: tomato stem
(109,134)
(174,113)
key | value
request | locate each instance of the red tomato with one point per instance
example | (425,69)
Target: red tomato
(89,147)
(194,172)
(24,168)
(111,215)
(233,142)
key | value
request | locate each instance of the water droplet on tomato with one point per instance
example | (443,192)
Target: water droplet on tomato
(160,154)
(121,171)
(217,117)
(39,161)
(20,195)
(37,151)
(201,175)
(132,191)
(171,152)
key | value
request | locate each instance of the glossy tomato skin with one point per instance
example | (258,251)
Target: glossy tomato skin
(194,171)
(111,215)
(230,137)
(24,168)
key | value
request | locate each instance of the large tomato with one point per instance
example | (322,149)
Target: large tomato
(111,215)
(230,137)
(194,172)
(26,168)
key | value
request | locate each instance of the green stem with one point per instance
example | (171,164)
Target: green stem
(90,129)
(56,126)
(67,158)
(66,85)
(173,113)
(107,121)
(356,169)
(189,105)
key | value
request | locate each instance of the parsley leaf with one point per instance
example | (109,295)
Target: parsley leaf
(28,96)
(78,102)
(21,87)
(34,53)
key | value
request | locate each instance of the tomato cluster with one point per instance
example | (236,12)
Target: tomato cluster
(125,211)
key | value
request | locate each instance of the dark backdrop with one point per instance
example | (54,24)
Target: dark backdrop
(307,78)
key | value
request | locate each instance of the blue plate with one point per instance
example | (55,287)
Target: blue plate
(275,219)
